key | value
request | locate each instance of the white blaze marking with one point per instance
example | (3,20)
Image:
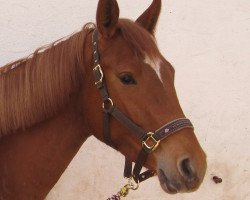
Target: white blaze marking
(155,64)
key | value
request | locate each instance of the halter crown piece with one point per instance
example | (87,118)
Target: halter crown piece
(150,140)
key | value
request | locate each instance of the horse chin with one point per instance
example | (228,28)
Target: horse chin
(170,187)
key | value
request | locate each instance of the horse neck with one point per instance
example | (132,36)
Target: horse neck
(33,161)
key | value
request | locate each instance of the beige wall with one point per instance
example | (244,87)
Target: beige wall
(208,42)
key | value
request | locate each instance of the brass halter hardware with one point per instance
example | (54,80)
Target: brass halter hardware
(150,143)
(107,104)
(98,70)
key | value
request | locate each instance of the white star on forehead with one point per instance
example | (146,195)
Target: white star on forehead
(155,63)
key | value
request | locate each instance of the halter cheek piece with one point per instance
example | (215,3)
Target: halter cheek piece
(150,140)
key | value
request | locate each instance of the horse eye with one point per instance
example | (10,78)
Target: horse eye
(127,79)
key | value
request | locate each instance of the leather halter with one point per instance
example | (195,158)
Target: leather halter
(150,140)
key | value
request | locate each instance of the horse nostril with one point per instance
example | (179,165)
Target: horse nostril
(189,174)
(186,169)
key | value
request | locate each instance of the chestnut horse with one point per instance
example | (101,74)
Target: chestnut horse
(49,106)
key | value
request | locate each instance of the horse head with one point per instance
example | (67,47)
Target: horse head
(140,82)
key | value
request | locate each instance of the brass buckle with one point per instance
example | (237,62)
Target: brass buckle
(98,68)
(150,147)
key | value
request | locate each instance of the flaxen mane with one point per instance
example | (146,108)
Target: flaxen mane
(34,88)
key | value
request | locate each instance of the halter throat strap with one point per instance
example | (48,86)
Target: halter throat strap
(150,140)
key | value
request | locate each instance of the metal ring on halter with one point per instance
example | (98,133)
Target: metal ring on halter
(150,144)
(107,104)
(135,185)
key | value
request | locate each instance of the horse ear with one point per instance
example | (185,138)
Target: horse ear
(149,18)
(107,17)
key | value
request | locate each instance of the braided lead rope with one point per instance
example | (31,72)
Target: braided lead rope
(114,197)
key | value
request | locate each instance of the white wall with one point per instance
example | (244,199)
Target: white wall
(207,41)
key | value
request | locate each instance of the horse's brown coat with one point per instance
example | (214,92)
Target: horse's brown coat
(49,106)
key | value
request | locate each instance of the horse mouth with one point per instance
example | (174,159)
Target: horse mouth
(167,185)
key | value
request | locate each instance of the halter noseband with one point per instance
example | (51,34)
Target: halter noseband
(150,140)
